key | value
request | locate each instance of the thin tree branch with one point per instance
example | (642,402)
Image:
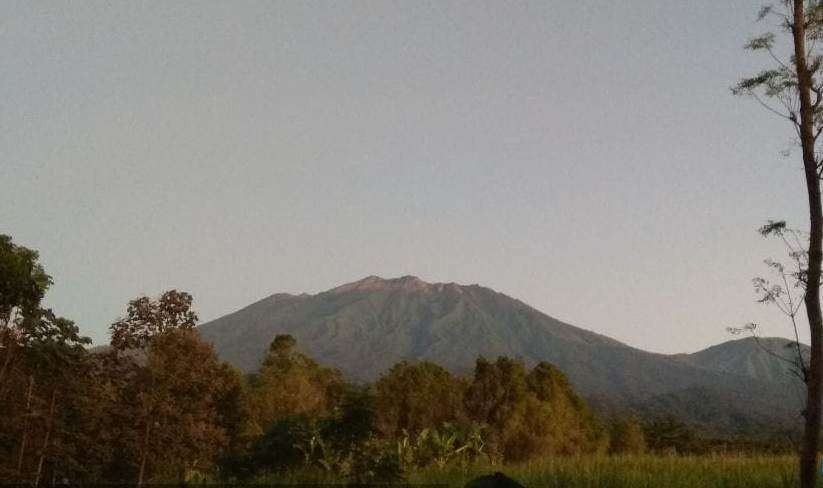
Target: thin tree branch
(791,118)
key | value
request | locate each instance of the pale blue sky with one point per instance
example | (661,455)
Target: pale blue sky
(586,157)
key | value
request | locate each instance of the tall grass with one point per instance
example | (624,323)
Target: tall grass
(634,472)
(720,471)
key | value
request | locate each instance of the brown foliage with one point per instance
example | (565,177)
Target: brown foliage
(146,318)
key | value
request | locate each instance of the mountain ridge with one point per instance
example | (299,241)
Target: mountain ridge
(364,327)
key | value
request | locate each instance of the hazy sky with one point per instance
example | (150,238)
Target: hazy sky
(585,157)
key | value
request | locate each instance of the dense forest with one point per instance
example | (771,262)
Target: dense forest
(158,405)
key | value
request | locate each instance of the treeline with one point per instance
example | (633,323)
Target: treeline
(157,405)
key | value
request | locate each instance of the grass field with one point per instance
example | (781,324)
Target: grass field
(612,472)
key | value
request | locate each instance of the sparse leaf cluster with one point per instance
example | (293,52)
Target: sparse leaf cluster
(785,290)
(777,88)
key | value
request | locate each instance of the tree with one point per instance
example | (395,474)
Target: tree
(181,393)
(54,355)
(291,383)
(353,421)
(531,413)
(283,444)
(412,397)
(626,436)
(40,357)
(23,281)
(146,318)
(48,358)
(105,444)
(668,434)
(791,85)
(784,290)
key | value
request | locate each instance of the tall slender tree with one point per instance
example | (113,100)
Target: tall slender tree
(182,398)
(145,320)
(793,89)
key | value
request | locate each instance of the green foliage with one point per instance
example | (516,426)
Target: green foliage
(670,435)
(777,88)
(42,357)
(361,327)
(626,436)
(440,447)
(498,389)
(288,443)
(413,397)
(353,422)
(375,463)
(23,281)
(160,407)
(290,382)
(772,82)
(764,41)
(342,443)
(531,414)
(283,345)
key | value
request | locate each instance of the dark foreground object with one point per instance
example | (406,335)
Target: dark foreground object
(496,480)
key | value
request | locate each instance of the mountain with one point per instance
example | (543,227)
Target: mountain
(364,327)
(764,358)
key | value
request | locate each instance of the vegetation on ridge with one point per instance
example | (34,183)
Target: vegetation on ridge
(160,406)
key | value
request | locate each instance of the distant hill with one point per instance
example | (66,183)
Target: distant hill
(765,358)
(364,327)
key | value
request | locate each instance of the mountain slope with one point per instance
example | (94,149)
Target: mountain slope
(764,358)
(364,327)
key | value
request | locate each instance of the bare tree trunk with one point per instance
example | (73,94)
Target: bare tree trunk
(6,362)
(24,437)
(814,383)
(7,344)
(145,454)
(46,438)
